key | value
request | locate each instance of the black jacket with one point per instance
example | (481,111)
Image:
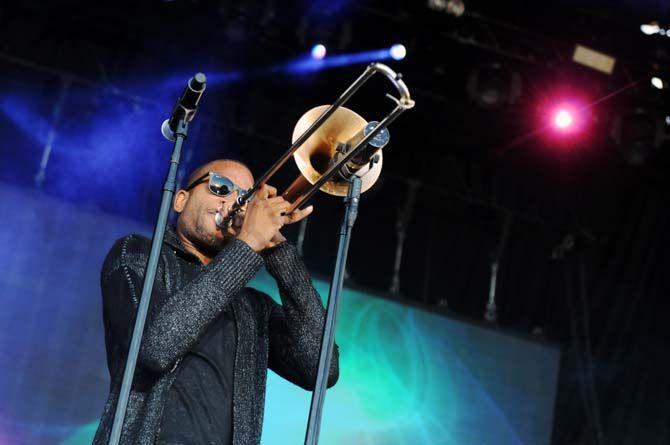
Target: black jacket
(284,338)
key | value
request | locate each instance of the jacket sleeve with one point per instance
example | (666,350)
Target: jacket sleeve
(296,327)
(174,322)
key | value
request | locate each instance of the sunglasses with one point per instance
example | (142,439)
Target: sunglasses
(218,184)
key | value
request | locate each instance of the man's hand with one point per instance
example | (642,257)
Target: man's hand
(263,219)
(293,217)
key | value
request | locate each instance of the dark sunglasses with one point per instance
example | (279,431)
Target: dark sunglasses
(218,184)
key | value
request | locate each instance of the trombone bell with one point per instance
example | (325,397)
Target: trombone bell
(314,156)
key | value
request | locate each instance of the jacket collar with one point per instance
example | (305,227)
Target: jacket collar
(172,240)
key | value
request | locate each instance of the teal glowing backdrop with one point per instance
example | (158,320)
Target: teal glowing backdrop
(407,376)
(413,377)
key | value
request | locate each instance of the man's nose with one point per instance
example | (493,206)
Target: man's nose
(228,202)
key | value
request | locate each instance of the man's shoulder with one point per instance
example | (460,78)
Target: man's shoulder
(131,243)
(125,250)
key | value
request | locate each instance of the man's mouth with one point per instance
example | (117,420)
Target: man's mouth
(220,209)
(236,223)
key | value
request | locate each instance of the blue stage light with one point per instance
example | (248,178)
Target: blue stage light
(19,110)
(306,65)
(398,51)
(318,52)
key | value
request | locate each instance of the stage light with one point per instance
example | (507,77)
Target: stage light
(492,86)
(657,82)
(567,117)
(398,51)
(318,51)
(650,28)
(638,134)
(563,119)
(451,7)
(306,64)
(564,114)
(593,59)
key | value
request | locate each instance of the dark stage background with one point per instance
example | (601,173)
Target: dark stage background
(85,86)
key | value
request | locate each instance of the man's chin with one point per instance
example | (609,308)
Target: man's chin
(212,242)
(212,246)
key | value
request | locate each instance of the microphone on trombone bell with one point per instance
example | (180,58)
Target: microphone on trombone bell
(186,105)
(367,155)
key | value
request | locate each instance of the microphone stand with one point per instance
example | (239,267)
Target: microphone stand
(328,340)
(149,278)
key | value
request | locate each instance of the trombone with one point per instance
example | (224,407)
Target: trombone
(331,143)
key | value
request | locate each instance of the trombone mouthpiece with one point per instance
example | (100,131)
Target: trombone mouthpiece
(221,222)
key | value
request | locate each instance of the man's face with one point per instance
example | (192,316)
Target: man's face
(197,207)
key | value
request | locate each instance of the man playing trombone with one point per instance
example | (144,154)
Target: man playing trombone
(208,339)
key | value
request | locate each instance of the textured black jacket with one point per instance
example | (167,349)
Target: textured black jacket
(284,338)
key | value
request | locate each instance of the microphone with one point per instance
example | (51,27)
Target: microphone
(367,155)
(377,142)
(186,105)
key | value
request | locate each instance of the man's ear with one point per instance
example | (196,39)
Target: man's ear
(180,200)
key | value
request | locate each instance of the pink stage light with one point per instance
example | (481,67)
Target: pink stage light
(563,119)
(567,117)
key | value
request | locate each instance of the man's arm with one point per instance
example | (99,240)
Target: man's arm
(175,322)
(296,327)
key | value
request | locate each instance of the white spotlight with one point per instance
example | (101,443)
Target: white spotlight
(657,82)
(650,28)
(398,51)
(318,51)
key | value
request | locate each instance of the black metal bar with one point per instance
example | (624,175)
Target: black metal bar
(328,339)
(149,278)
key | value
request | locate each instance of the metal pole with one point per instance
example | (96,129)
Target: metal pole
(491,311)
(149,278)
(301,236)
(328,339)
(66,83)
(404,216)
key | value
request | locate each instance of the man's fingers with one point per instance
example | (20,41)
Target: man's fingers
(272,192)
(265,192)
(278,201)
(298,215)
(262,192)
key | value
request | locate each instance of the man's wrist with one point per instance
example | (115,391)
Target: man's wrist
(273,246)
(252,241)
(257,244)
(275,241)
(283,262)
